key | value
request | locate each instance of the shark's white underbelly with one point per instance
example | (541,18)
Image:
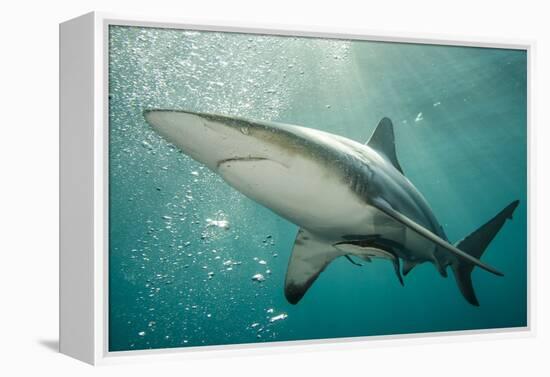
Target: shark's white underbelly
(299,190)
(315,199)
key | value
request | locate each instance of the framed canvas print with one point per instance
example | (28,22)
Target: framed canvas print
(229,186)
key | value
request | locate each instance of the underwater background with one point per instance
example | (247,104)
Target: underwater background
(185,249)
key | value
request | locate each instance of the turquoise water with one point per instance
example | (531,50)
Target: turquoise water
(184,246)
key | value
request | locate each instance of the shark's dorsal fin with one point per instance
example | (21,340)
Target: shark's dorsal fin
(383,141)
(310,256)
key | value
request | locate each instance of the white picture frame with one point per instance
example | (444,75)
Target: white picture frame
(84,188)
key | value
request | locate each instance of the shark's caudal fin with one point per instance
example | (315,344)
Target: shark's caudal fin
(310,256)
(475,244)
(382,140)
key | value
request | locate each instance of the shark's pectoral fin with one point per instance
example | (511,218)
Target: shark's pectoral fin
(382,140)
(310,256)
(385,207)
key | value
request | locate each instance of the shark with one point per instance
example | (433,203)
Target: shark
(348,199)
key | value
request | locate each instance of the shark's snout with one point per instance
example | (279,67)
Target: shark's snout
(174,126)
(209,139)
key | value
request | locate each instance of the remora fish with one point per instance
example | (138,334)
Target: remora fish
(348,199)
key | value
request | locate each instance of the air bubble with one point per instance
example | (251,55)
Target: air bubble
(279,317)
(258,278)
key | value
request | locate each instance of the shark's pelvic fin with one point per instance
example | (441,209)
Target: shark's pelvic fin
(440,264)
(385,207)
(408,266)
(382,140)
(353,262)
(367,249)
(475,244)
(397,269)
(310,256)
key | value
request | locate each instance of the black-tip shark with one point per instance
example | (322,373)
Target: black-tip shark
(348,199)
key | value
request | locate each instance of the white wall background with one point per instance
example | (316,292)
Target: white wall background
(29,185)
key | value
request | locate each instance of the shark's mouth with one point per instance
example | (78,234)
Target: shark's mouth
(249,159)
(233,159)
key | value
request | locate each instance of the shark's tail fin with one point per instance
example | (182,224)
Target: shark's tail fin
(475,244)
